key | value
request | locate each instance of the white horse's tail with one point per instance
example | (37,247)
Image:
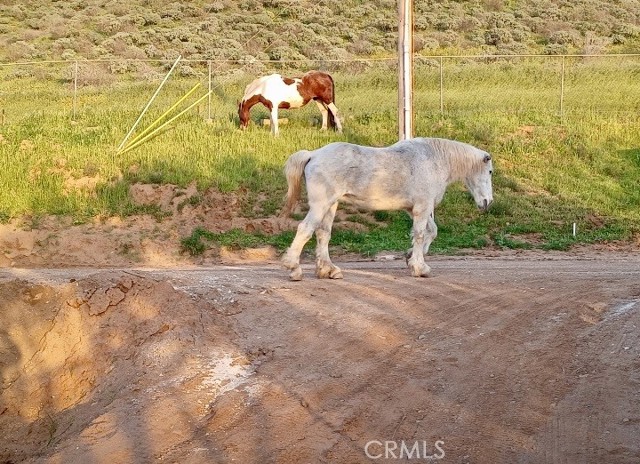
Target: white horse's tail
(294,170)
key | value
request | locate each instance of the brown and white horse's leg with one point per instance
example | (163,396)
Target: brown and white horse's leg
(419,232)
(325,114)
(274,119)
(291,258)
(324,267)
(334,111)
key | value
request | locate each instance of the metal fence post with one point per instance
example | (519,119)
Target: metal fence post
(562,89)
(75,90)
(441,86)
(209,99)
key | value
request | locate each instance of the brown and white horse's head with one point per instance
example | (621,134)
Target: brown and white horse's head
(243,114)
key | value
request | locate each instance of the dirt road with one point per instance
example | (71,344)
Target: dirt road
(520,359)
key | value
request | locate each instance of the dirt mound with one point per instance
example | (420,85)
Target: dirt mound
(67,353)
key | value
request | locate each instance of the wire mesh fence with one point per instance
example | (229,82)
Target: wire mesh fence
(365,89)
(548,84)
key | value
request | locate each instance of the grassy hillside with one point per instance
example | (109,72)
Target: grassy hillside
(320,29)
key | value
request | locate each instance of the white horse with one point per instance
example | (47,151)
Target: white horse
(275,91)
(411,175)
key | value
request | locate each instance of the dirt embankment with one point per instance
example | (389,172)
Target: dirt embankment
(151,239)
(88,359)
(513,359)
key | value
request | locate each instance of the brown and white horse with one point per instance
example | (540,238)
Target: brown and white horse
(275,91)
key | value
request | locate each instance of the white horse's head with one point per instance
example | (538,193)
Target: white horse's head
(479,183)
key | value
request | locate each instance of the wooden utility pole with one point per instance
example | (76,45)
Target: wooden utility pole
(405,69)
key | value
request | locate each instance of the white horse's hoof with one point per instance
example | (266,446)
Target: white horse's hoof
(335,273)
(288,262)
(421,270)
(328,272)
(323,273)
(296,274)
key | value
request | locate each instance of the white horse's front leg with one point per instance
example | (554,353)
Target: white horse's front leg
(324,267)
(291,258)
(325,114)
(416,261)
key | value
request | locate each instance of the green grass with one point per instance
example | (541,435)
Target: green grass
(552,169)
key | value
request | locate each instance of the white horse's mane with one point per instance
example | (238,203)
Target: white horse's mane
(460,158)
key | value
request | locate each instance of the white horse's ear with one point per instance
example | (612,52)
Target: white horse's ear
(487,158)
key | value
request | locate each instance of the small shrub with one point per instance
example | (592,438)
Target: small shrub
(498,36)
(68,54)
(555,49)
(215,7)
(570,38)
(21,51)
(121,67)
(187,71)
(284,53)
(173,12)
(151,51)
(94,74)
(108,24)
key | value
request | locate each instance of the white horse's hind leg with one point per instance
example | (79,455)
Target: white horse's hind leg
(291,258)
(430,234)
(324,267)
(334,111)
(416,262)
(325,114)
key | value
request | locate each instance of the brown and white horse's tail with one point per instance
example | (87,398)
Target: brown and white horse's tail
(332,119)
(294,171)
